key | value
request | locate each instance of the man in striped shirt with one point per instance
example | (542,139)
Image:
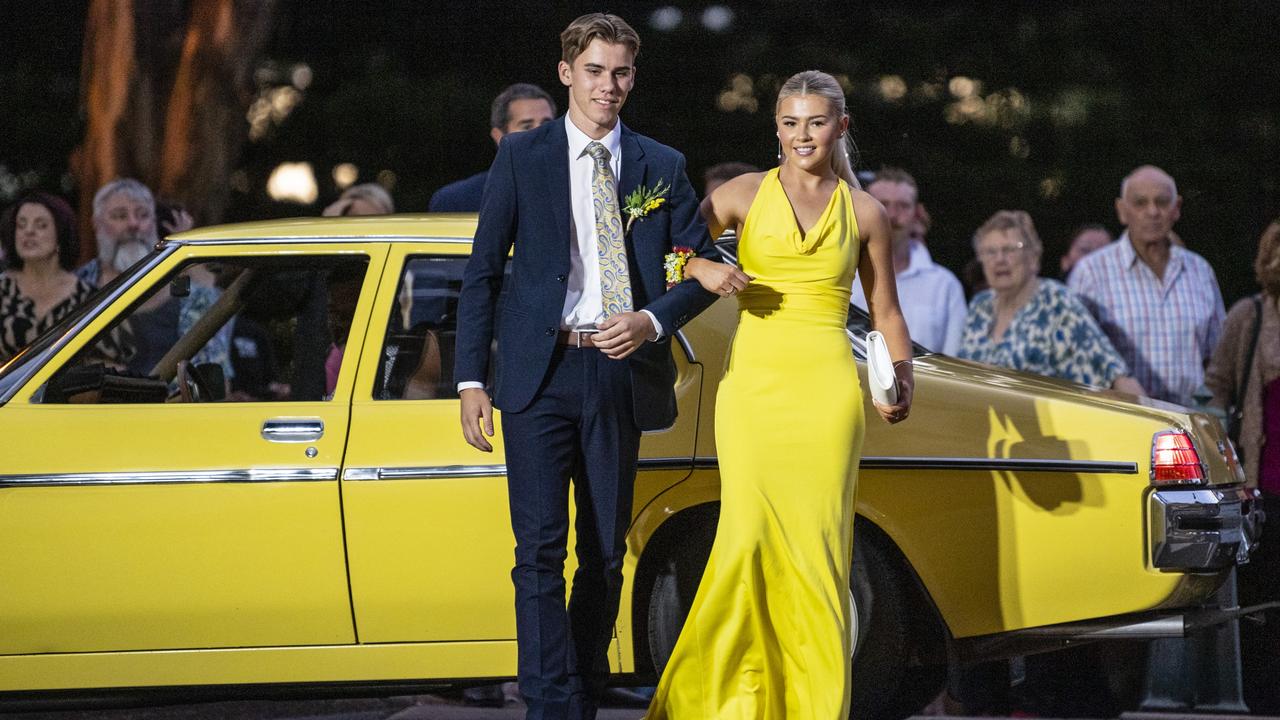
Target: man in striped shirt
(1158,302)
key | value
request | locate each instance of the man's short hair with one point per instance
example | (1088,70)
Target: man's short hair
(725,171)
(1085,227)
(609,28)
(133,188)
(895,175)
(500,111)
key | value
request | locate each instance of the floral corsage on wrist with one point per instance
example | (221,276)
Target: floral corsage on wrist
(641,201)
(674,263)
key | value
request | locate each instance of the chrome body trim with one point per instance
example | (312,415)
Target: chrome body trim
(872,462)
(313,240)
(424,473)
(686,346)
(360,474)
(1202,529)
(666,463)
(292,430)
(1000,464)
(22,376)
(195,477)
(1166,626)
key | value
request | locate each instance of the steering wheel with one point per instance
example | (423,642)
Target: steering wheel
(191,385)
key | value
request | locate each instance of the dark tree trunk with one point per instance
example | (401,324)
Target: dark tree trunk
(165,86)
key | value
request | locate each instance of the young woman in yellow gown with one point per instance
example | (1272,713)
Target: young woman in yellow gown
(769,635)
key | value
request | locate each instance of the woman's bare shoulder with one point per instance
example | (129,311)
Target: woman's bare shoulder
(867,209)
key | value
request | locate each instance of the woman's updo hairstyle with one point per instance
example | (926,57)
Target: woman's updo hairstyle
(816,82)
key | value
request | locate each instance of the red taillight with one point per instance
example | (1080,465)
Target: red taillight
(1174,458)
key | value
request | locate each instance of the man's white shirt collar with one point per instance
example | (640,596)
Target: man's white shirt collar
(579,140)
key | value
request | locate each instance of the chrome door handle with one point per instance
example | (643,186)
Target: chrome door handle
(292,430)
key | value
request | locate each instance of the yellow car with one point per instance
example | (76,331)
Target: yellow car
(241,465)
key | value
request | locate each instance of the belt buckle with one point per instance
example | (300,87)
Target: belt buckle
(577,338)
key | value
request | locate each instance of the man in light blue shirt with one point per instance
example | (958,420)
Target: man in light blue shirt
(932,298)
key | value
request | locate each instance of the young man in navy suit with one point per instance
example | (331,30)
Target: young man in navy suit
(583,361)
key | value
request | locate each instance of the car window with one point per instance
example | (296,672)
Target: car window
(28,360)
(416,361)
(229,329)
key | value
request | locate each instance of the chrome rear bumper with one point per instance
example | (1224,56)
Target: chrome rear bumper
(1203,529)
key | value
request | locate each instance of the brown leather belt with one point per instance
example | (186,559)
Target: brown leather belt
(573,338)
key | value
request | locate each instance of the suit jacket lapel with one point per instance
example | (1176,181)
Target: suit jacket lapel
(556,161)
(633,167)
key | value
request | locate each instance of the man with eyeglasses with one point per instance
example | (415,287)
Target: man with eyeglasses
(1158,302)
(932,298)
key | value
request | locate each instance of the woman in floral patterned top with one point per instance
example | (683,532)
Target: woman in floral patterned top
(1030,323)
(38,289)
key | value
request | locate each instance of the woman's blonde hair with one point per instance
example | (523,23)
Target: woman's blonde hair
(1266,266)
(816,82)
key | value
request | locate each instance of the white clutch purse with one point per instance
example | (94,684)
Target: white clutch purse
(880,375)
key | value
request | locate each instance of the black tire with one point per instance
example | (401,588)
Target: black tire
(674,585)
(880,653)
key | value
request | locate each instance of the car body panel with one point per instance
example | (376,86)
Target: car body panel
(391,560)
(201,534)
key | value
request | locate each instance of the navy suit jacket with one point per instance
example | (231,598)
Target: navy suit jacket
(461,196)
(526,205)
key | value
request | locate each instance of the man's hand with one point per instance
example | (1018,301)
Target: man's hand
(477,418)
(722,279)
(181,222)
(624,333)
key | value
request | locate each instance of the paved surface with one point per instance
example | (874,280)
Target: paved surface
(419,707)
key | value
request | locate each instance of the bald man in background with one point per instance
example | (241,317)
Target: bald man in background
(1159,303)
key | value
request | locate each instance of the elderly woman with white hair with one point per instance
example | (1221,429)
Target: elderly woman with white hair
(1034,324)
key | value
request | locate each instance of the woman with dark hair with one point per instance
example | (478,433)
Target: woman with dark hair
(37,288)
(1244,376)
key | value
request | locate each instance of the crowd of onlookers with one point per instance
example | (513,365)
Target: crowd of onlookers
(1141,313)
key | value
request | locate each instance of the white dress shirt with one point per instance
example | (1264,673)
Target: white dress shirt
(932,302)
(583,306)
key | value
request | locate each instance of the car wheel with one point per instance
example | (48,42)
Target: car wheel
(674,585)
(880,652)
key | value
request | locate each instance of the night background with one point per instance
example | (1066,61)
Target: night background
(1036,106)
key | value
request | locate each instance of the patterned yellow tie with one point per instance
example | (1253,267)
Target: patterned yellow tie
(615,278)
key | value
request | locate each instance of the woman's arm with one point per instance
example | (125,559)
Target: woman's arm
(725,208)
(879,284)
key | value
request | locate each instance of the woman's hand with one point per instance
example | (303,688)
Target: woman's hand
(899,411)
(722,279)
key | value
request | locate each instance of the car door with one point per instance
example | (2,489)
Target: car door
(429,535)
(199,508)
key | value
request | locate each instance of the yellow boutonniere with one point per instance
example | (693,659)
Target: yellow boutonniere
(641,201)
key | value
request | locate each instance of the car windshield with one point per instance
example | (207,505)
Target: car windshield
(31,357)
(859,322)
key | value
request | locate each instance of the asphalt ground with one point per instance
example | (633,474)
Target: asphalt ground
(415,707)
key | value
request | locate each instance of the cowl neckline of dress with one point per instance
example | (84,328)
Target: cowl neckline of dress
(805,242)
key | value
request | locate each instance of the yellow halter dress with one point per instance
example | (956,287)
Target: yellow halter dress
(768,635)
